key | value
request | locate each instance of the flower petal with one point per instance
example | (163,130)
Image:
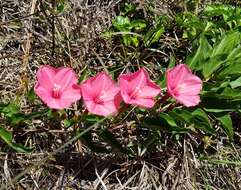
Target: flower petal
(149,91)
(101,82)
(189,100)
(139,78)
(88,92)
(143,102)
(45,76)
(65,77)
(43,93)
(176,74)
(106,109)
(109,94)
(190,87)
(71,95)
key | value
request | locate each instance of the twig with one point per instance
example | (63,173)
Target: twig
(53,28)
(29,35)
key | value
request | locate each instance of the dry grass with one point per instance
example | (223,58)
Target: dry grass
(32,35)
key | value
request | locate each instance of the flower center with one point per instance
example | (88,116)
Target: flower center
(177,89)
(98,100)
(56,91)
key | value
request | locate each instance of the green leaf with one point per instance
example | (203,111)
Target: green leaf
(105,34)
(192,25)
(20,148)
(31,95)
(227,44)
(212,104)
(164,122)
(87,139)
(15,117)
(7,138)
(153,35)
(226,93)
(5,135)
(129,8)
(60,7)
(229,93)
(216,10)
(201,54)
(202,122)
(168,120)
(130,40)
(231,70)
(127,40)
(172,62)
(123,24)
(227,124)
(219,56)
(224,100)
(12,113)
(112,141)
(135,41)
(211,65)
(138,24)
(18,119)
(234,54)
(181,115)
(68,123)
(91,118)
(10,109)
(236,83)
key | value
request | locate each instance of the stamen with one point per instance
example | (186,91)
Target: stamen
(56,91)
(99,99)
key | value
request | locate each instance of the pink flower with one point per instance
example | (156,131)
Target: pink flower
(137,89)
(101,95)
(183,85)
(57,87)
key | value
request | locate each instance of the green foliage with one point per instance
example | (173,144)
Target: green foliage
(202,122)
(31,96)
(212,22)
(89,142)
(163,122)
(227,124)
(108,137)
(201,55)
(13,114)
(191,25)
(136,31)
(217,59)
(7,137)
(153,35)
(181,121)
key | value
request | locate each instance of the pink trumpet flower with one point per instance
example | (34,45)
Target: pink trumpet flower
(137,89)
(57,87)
(184,86)
(101,95)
